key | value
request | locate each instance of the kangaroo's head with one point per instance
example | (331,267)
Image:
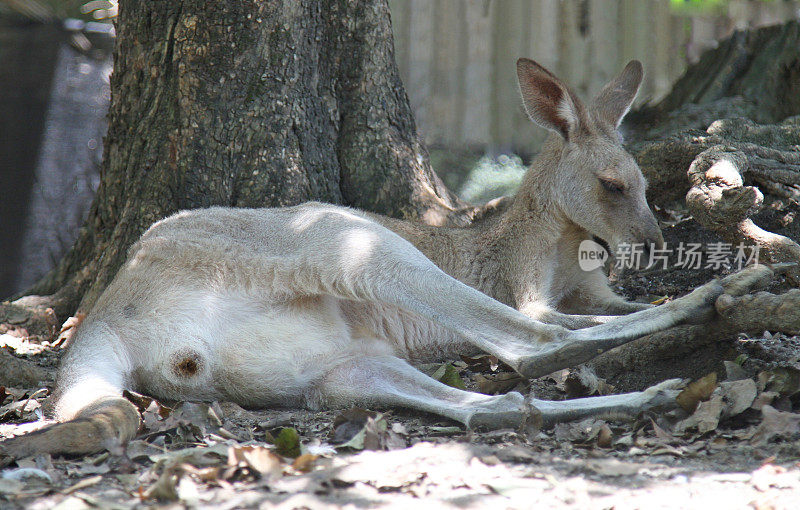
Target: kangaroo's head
(590,177)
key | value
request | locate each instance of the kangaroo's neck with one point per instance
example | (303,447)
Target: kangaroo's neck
(528,230)
(535,220)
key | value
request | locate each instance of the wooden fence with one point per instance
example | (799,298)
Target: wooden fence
(457,56)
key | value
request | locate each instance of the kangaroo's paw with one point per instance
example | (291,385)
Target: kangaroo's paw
(510,411)
(721,291)
(697,307)
(661,397)
(749,279)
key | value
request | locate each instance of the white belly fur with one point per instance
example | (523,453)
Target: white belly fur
(260,354)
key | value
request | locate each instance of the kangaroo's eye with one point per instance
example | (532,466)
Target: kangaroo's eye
(612,186)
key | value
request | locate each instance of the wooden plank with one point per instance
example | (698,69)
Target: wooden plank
(574,46)
(444,100)
(604,61)
(506,115)
(543,30)
(420,59)
(661,49)
(477,74)
(457,57)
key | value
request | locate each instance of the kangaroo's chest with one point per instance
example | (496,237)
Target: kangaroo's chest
(567,274)
(547,276)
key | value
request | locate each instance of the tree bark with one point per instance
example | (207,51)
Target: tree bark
(248,104)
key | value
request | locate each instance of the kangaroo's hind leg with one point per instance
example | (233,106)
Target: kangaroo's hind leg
(389,270)
(385,380)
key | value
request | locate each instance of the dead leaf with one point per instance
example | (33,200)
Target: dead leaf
(625,440)
(775,424)
(667,450)
(495,384)
(659,301)
(444,431)
(27,408)
(359,429)
(613,467)
(305,462)
(10,486)
(663,436)
(482,362)
(86,482)
(738,396)
(696,392)
(68,330)
(764,398)
(165,487)
(199,456)
(705,418)
(718,442)
(208,474)
(257,458)
(583,382)
(399,428)
(783,380)
(448,375)
(604,436)
(27,473)
(734,371)
(153,412)
(4,394)
(582,432)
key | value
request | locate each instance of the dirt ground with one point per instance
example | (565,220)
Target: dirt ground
(739,448)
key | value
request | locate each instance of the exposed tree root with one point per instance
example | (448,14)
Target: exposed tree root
(20,373)
(36,318)
(686,350)
(719,197)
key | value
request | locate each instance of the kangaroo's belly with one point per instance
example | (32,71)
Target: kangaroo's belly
(265,353)
(234,347)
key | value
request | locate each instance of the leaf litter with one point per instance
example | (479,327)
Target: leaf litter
(209,454)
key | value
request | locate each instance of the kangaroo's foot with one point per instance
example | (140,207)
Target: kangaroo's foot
(582,345)
(660,397)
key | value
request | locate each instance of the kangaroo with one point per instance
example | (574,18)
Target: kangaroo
(324,306)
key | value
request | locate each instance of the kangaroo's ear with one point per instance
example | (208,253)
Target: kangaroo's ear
(547,100)
(614,101)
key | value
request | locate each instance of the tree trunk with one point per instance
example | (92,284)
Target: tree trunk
(248,104)
(760,67)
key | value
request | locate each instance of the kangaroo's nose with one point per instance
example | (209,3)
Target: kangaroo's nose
(656,240)
(653,240)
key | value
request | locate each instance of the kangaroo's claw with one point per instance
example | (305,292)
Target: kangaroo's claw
(662,396)
(749,279)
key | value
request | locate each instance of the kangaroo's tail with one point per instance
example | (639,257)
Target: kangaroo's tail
(89,406)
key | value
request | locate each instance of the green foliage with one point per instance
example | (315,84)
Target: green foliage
(448,375)
(492,177)
(52,10)
(287,443)
(694,7)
